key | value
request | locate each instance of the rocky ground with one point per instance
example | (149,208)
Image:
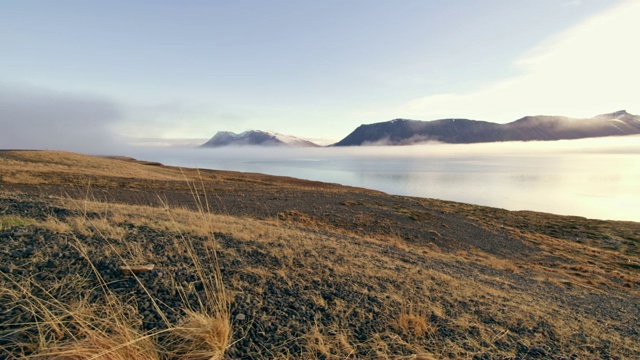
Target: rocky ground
(318,270)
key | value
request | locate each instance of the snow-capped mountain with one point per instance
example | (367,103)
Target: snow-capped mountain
(255,137)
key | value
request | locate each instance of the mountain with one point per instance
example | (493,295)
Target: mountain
(255,137)
(461,131)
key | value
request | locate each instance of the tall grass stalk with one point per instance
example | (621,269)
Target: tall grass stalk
(110,328)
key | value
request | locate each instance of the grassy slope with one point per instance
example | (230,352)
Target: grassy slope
(317,270)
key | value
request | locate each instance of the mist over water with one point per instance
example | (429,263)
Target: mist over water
(595,178)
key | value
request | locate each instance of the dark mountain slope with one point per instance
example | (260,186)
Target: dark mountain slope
(405,132)
(255,137)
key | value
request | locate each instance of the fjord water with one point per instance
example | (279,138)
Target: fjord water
(595,178)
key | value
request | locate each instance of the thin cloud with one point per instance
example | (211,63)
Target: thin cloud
(573,3)
(178,119)
(587,70)
(40,119)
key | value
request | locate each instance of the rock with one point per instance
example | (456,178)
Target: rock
(135,269)
(28,252)
(536,352)
(241,317)
(23,254)
(580,337)
(532,352)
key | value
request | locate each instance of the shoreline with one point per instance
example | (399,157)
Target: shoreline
(315,181)
(317,270)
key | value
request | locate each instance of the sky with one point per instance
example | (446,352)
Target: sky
(94,75)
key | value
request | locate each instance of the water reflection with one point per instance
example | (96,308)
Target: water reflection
(599,181)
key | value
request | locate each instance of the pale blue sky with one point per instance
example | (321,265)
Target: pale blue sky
(316,69)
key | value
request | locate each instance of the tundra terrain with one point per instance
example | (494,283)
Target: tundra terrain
(265,267)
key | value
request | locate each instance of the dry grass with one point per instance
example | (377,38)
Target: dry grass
(33,167)
(110,328)
(11,221)
(199,336)
(414,318)
(328,344)
(71,169)
(415,323)
(80,329)
(371,296)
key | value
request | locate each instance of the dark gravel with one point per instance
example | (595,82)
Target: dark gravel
(273,314)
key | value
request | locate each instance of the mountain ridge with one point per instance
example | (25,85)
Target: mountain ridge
(401,131)
(459,130)
(256,137)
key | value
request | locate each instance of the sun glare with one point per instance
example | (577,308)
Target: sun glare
(587,70)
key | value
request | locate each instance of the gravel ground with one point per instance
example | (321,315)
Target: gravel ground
(274,312)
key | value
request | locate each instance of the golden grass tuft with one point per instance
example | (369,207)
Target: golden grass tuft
(413,319)
(123,343)
(415,323)
(200,337)
(75,330)
(102,227)
(8,222)
(331,343)
(54,225)
(110,328)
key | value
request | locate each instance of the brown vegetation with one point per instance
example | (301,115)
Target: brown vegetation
(253,266)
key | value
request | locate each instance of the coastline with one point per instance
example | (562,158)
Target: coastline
(322,270)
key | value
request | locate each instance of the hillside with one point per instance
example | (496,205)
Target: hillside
(306,269)
(543,128)
(255,137)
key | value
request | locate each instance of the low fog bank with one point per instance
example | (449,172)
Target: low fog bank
(33,118)
(188,155)
(595,178)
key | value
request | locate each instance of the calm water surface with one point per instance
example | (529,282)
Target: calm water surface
(596,178)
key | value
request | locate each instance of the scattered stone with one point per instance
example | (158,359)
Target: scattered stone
(321,295)
(23,253)
(536,352)
(135,269)
(580,337)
